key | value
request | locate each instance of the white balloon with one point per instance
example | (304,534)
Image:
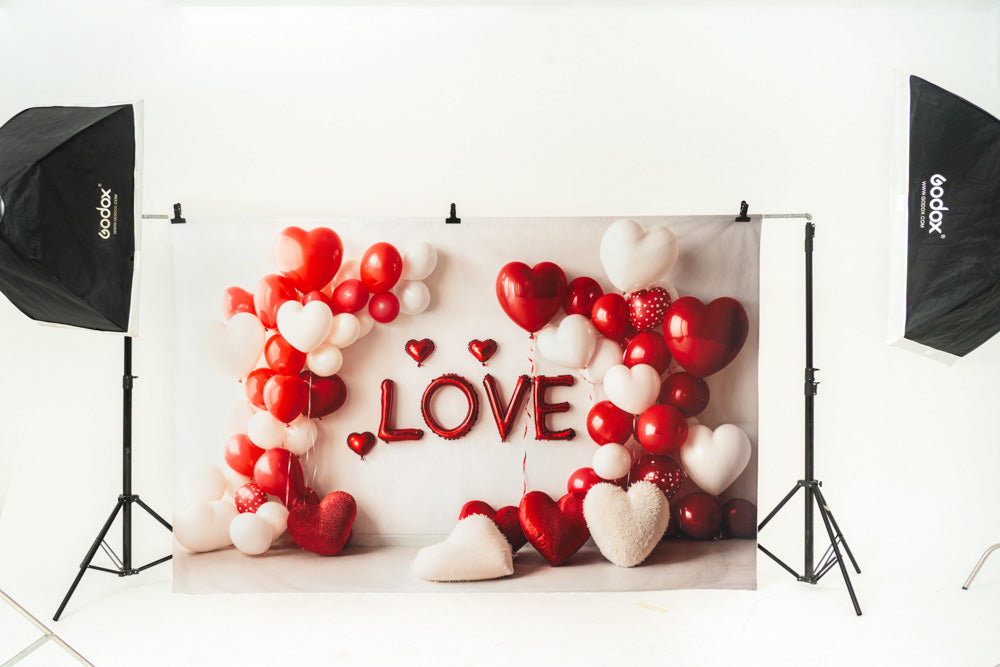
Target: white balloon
(345,330)
(304,327)
(611,461)
(634,258)
(571,344)
(250,533)
(204,526)
(367,322)
(239,413)
(300,435)
(234,481)
(325,360)
(265,431)
(206,485)
(607,353)
(235,346)
(715,459)
(350,269)
(632,389)
(419,261)
(414,297)
(276,516)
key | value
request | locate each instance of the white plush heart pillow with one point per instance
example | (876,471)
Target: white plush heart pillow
(475,550)
(626,527)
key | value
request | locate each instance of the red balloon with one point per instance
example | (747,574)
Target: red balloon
(647,308)
(381,266)
(249,498)
(685,392)
(581,480)
(272,291)
(606,422)
(663,471)
(610,316)
(739,519)
(648,347)
(350,296)
(483,350)
(286,396)
(241,454)
(699,515)
(237,300)
(419,350)
(661,429)
(253,386)
(505,518)
(309,259)
(581,294)
(384,307)
(281,357)
(704,339)
(361,443)
(317,295)
(530,296)
(326,394)
(279,473)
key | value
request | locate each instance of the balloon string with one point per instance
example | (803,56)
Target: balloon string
(531,362)
(524,471)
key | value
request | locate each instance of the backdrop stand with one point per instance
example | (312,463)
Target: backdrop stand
(123,565)
(810,485)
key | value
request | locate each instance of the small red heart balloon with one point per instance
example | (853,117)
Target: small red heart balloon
(361,443)
(606,422)
(610,316)
(505,518)
(272,291)
(249,498)
(581,293)
(279,473)
(323,528)
(281,357)
(530,296)
(380,267)
(663,471)
(483,350)
(704,339)
(661,429)
(648,347)
(699,515)
(556,530)
(647,308)
(419,350)
(685,392)
(241,454)
(739,519)
(309,259)
(285,397)
(326,394)
(253,386)
(237,300)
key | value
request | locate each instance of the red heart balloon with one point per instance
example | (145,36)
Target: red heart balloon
(249,498)
(279,473)
(309,259)
(483,350)
(648,347)
(237,300)
(556,530)
(281,357)
(505,518)
(253,386)
(361,443)
(419,350)
(326,394)
(241,454)
(323,528)
(663,471)
(581,293)
(685,392)
(272,291)
(739,519)
(610,316)
(704,339)
(647,307)
(606,422)
(661,429)
(285,397)
(531,295)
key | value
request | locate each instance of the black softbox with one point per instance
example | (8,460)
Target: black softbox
(70,214)
(946,292)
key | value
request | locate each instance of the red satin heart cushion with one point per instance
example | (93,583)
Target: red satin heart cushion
(323,528)
(704,339)
(531,295)
(556,530)
(419,350)
(483,350)
(505,518)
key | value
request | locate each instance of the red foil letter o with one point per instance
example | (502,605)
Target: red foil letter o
(450,380)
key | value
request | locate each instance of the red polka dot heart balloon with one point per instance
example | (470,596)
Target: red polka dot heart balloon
(648,307)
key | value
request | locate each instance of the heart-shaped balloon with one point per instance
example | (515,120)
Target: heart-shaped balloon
(279,473)
(506,519)
(237,300)
(607,353)
(570,344)
(419,350)
(304,327)
(556,530)
(530,296)
(626,526)
(704,339)
(241,454)
(272,291)
(326,394)
(581,293)
(285,397)
(632,389)
(474,551)
(361,443)
(648,307)
(483,350)
(309,259)
(662,471)
(234,347)
(715,459)
(633,257)
(323,528)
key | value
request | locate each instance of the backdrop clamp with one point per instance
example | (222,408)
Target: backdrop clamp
(744,208)
(177,219)
(453,219)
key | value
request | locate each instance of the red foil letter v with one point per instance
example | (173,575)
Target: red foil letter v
(505,419)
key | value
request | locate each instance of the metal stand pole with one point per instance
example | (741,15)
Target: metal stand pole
(123,565)
(979,566)
(810,573)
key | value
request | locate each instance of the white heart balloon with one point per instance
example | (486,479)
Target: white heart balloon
(714,460)
(204,526)
(611,461)
(632,389)
(304,327)
(325,360)
(265,431)
(414,297)
(570,344)
(419,261)
(300,435)
(346,329)
(626,527)
(250,533)
(235,346)
(475,550)
(633,257)
(607,353)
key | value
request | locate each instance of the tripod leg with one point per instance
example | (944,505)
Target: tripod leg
(784,500)
(840,534)
(823,512)
(89,557)
(153,514)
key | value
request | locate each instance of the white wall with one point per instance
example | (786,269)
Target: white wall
(386,111)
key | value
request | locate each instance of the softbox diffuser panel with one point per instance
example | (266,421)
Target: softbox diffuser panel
(950,227)
(68,235)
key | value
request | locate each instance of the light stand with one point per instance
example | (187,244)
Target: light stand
(810,573)
(125,500)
